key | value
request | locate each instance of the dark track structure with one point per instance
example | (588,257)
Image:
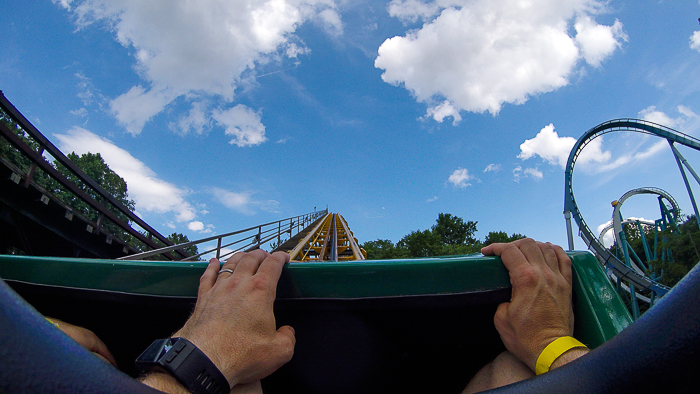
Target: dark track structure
(39,223)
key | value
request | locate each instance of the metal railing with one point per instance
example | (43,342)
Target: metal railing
(242,240)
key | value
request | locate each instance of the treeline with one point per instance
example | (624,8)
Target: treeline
(450,235)
(95,167)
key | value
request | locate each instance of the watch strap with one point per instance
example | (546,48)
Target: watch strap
(190,366)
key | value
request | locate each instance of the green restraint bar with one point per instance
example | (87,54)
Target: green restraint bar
(418,325)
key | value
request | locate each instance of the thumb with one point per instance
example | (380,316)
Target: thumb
(500,319)
(286,340)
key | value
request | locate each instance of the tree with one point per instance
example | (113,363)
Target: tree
(501,237)
(452,230)
(177,238)
(381,249)
(450,235)
(424,243)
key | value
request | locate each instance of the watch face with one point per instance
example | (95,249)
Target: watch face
(156,350)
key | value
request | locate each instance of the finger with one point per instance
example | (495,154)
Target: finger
(532,251)
(233,260)
(564,263)
(208,278)
(492,249)
(550,256)
(248,265)
(271,267)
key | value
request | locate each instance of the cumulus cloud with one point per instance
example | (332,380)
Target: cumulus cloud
(652,115)
(412,10)
(695,41)
(150,193)
(197,120)
(199,48)
(519,172)
(492,167)
(200,227)
(243,124)
(443,110)
(555,150)
(433,198)
(596,41)
(476,55)
(460,178)
(243,202)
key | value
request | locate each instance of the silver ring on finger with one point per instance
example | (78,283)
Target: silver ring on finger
(225,270)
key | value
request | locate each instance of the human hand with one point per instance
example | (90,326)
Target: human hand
(233,321)
(86,339)
(540,309)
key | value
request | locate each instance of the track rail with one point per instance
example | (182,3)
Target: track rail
(571,209)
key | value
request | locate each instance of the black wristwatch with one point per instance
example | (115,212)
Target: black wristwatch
(185,362)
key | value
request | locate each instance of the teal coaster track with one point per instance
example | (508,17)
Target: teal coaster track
(624,272)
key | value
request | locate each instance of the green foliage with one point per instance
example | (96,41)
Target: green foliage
(10,152)
(494,237)
(683,244)
(450,235)
(381,249)
(177,238)
(452,230)
(92,164)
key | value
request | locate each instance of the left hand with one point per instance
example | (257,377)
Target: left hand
(233,322)
(86,339)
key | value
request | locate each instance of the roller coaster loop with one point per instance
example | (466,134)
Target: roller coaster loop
(608,259)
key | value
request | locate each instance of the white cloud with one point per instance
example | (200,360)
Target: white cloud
(533,173)
(492,167)
(243,124)
(480,54)
(687,112)
(652,115)
(443,110)
(200,227)
(199,48)
(460,178)
(412,10)
(555,150)
(82,112)
(243,202)
(695,41)
(434,198)
(597,42)
(197,120)
(150,193)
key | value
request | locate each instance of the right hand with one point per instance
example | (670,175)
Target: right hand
(540,308)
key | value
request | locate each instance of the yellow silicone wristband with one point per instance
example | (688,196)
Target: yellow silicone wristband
(552,352)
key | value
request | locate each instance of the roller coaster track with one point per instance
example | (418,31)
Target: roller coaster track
(606,258)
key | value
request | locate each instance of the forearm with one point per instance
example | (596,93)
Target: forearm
(568,356)
(164,382)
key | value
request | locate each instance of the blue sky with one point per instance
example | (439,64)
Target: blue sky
(225,114)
